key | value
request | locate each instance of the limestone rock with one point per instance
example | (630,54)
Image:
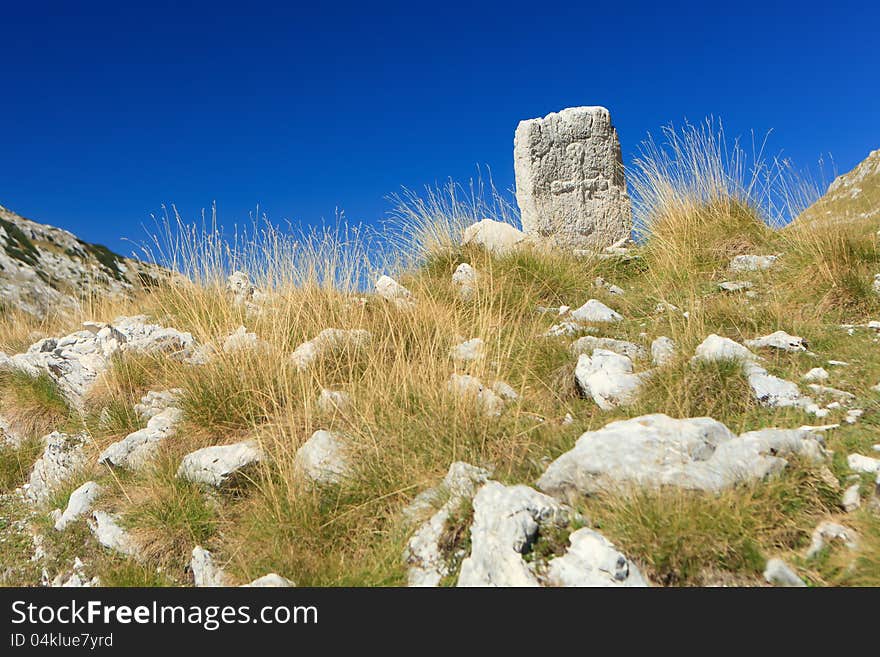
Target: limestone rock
(78,505)
(63,456)
(852,498)
(470,387)
(496,237)
(323,459)
(333,401)
(272,580)
(241,340)
(391,290)
(156,401)
(138,448)
(468,351)
(752,262)
(570,185)
(607,378)
(588,343)
(427,564)
(816,374)
(662,351)
(831,531)
(779,340)
(778,573)
(216,464)
(240,288)
(465,281)
(595,311)
(328,341)
(655,450)
(111,534)
(592,560)
(611,288)
(506,522)
(735,286)
(205,572)
(861,463)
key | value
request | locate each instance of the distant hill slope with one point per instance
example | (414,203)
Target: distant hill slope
(43,267)
(853,195)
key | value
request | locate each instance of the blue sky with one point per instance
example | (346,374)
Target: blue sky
(110,110)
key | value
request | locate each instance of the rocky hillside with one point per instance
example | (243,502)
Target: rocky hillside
(852,196)
(702,408)
(44,268)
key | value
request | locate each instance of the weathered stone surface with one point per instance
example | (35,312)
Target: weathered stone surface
(205,572)
(611,288)
(78,505)
(570,184)
(241,340)
(486,399)
(595,311)
(333,401)
(769,390)
(138,448)
(592,560)
(735,286)
(852,498)
(496,237)
(588,343)
(272,580)
(323,458)
(752,262)
(426,561)
(391,290)
(111,534)
(44,269)
(655,450)
(464,278)
(607,378)
(861,463)
(216,464)
(156,401)
(328,341)
(506,522)
(816,374)
(778,573)
(63,456)
(831,531)
(469,350)
(778,340)
(239,287)
(662,350)
(75,361)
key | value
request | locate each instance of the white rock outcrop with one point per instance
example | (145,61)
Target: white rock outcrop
(592,560)
(570,184)
(204,571)
(426,562)
(323,459)
(464,278)
(78,505)
(662,351)
(607,378)
(506,522)
(752,262)
(656,450)
(588,343)
(595,311)
(394,292)
(486,400)
(216,464)
(468,351)
(63,456)
(778,340)
(496,237)
(779,573)
(329,340)
(139,447)
(109,533)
